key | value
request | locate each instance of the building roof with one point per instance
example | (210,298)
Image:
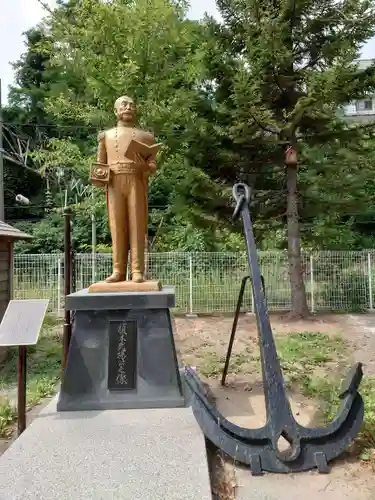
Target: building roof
(364,63)
(12,233)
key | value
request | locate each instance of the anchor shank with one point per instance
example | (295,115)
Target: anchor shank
(277,404)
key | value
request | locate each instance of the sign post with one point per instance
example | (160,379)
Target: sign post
(20,327)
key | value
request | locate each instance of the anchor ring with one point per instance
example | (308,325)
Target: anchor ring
(241,193)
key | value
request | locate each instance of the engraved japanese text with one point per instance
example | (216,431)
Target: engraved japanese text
(122,354)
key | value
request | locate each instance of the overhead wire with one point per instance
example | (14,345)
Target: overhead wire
(52,125)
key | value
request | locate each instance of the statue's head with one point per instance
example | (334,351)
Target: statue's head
(125,109)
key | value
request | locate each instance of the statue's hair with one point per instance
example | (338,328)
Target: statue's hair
(119,99)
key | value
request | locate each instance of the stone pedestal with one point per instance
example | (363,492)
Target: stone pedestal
(122,352)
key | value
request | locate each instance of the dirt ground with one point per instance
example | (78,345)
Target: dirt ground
(202,343)
(194,335)
(242,400)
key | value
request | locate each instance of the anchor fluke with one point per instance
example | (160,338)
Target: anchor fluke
(352,381)
(309,447)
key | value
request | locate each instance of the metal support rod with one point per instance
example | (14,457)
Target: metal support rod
(234,327)
(21,392)
(67,329)
(2,214)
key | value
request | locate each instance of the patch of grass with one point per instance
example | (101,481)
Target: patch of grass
(364,445)
(43,371)
(40,388)
(310,348)
(237,362)
(8,415)
(212,364)
(302,355)
(366,439)
(327,391)
(51,320)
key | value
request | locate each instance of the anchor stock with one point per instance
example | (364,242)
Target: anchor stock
(309,447)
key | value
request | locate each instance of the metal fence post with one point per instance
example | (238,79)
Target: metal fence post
(312,283)
(191,314)
(59,275)
(81,276)
(190,284)
(93,240)
(93,265)
(369,280)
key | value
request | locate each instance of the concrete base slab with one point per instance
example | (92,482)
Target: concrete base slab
(156,454)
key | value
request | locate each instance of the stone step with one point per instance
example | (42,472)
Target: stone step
(146,454)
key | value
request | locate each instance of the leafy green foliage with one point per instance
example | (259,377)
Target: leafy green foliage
(223,97)
(8,415)
(153,53)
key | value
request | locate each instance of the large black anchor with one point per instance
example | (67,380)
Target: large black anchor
(309,447)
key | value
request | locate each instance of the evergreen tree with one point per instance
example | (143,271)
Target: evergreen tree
(32,80)
(282,69)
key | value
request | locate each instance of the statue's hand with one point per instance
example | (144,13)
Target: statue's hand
(138,158)
(151,165)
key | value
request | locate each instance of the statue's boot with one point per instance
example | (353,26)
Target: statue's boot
(137,277)
(115,277)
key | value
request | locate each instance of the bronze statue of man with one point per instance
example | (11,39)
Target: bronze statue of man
(127,190)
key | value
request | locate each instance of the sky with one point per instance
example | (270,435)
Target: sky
(19,15)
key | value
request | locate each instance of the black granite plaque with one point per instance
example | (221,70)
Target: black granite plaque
(122,355)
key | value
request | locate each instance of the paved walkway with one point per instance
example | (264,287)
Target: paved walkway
(114,454)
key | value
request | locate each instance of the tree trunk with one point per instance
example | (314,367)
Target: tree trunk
(298,292)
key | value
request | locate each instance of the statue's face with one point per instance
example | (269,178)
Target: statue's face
(125,109)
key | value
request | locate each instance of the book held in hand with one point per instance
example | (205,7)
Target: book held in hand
(139,148)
